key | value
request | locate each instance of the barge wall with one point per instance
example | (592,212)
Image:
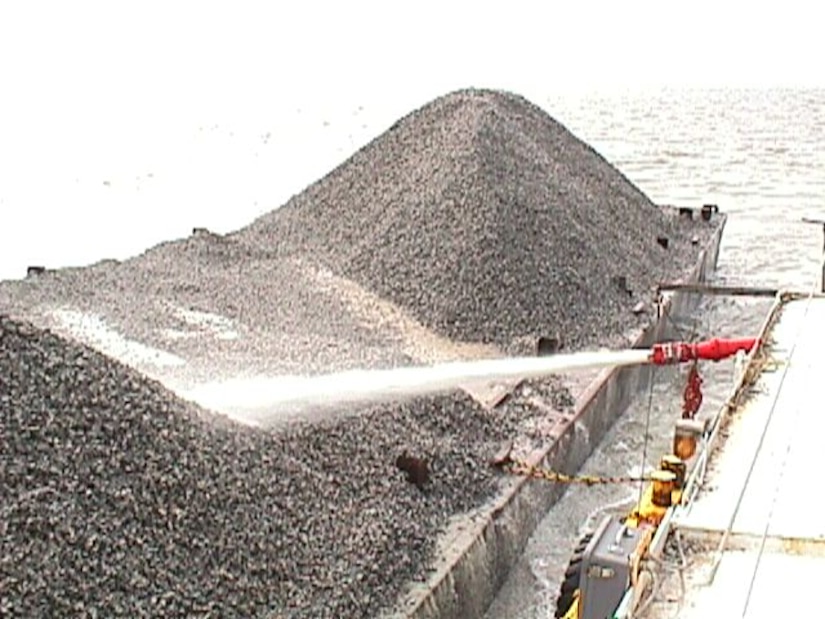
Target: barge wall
(474,564)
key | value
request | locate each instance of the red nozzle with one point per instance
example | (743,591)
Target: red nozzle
(709,350)
(716,349)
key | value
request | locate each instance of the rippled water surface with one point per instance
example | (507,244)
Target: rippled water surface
(759,156)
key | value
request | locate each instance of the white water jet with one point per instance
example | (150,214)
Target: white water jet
(263,399)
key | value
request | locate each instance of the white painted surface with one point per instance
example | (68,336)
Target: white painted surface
(782,475)
(786,586)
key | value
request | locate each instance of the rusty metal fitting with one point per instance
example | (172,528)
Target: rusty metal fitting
(677,466)
(664,483)
(684,445)
(708,210)
(686,437)
(548,345)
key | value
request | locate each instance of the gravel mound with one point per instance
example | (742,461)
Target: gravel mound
(478,215)
(118,499)
(488,221)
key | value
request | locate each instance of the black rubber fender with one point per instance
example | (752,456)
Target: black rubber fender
(572,577)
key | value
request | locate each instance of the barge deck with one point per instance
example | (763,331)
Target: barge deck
(753,534)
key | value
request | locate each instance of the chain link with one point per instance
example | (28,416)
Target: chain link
(692,400)
(692,396)
(523,469)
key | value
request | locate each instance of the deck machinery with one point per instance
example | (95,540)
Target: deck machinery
(608,564)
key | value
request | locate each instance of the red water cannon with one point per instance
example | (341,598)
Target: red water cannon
(666,353)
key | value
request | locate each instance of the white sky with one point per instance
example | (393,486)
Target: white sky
(112,87)
(161,54)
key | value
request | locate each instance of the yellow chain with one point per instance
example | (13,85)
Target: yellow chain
(521,468)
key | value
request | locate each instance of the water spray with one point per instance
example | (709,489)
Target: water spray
(264,399)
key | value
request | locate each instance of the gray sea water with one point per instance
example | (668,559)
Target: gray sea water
(759,156)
